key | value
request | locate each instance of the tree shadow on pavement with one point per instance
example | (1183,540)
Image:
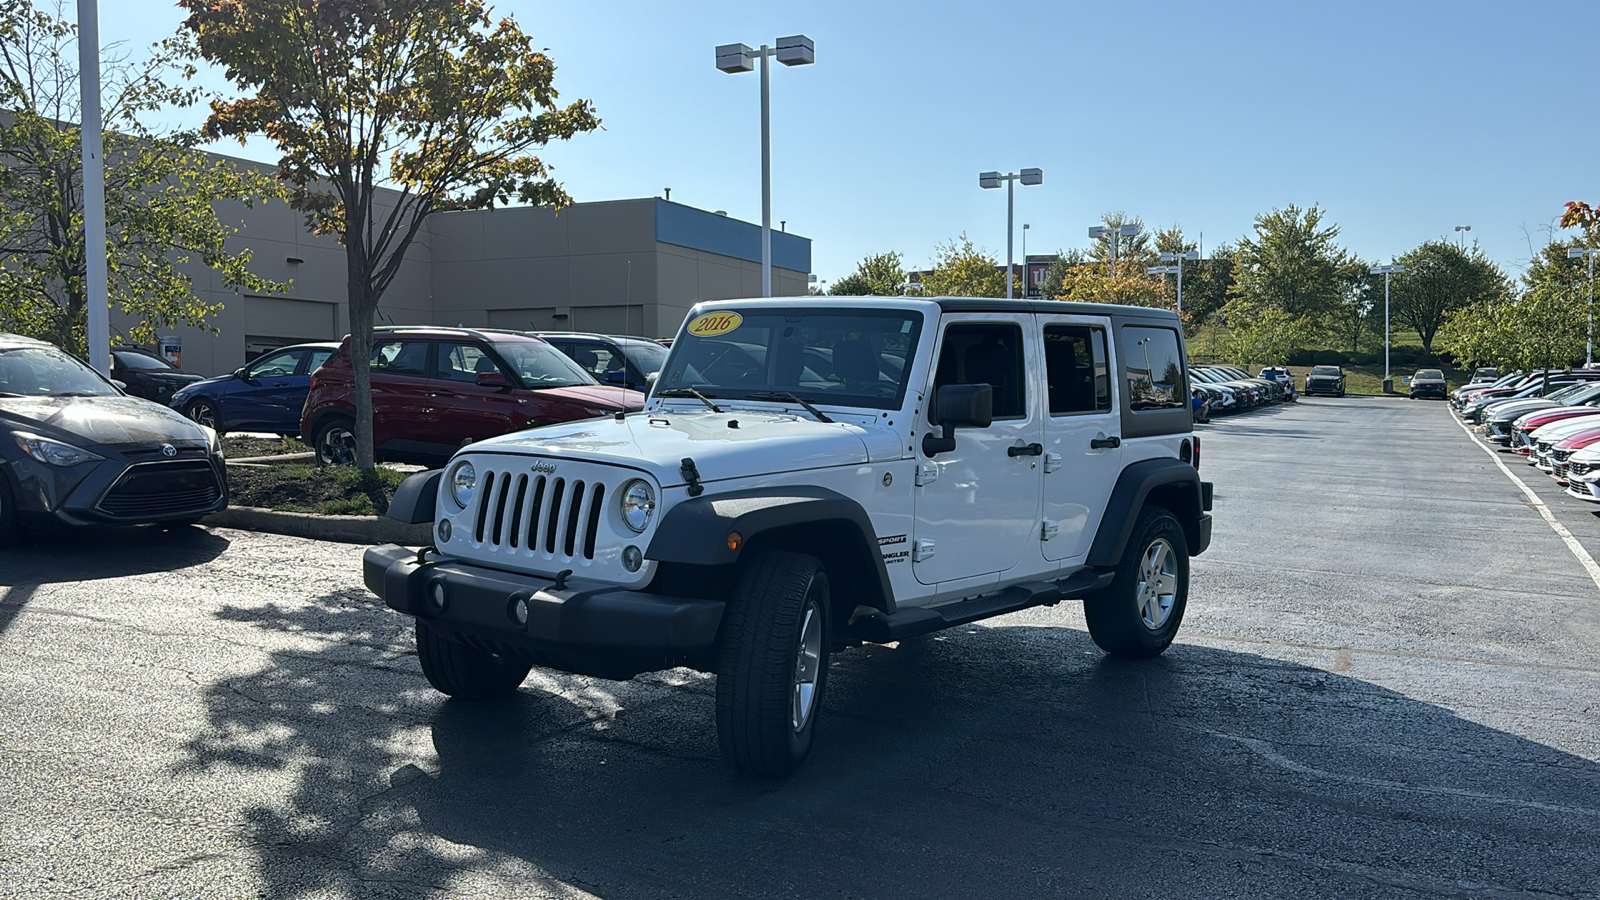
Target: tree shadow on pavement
(1005,761)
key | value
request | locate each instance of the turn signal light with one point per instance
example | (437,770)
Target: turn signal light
(735,540)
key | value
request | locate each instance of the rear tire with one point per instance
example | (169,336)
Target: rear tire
(773,664)
(1139,614)
(466,673)
(335,442)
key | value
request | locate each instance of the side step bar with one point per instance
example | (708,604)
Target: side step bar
(881,629)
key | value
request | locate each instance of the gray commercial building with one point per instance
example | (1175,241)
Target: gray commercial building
(622,267)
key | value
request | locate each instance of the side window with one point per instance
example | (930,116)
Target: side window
(1152,366)
(401,358)
(276,365)
(463,361)
(1075,366)
(597,359)
(315,359)
(986,353)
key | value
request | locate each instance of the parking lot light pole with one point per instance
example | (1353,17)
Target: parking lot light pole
(1385,271)
(96,293)
(1175,269)
(1099,231)
(796,50)
(1462,230)
(1574,253)
(989,180)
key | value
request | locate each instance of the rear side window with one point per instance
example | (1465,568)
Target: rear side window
(401,358)
(1152,367)
(984,353)
(1075,364)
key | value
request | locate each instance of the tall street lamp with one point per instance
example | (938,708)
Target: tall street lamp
(1462,230)
(1027,280)
(987,180)
(1576,253)
(1175,269)
(796,50)
(1386,271)
(1099,231)
(96,292)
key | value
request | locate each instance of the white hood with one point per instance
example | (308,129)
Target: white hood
(763,443)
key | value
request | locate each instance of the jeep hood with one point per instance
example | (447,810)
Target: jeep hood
(734,444)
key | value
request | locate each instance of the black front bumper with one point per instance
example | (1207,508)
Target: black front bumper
(586,627)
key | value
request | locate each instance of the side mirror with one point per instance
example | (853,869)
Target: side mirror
(958,405)
(493,379)
(239,373)
(619,378)
(119,385)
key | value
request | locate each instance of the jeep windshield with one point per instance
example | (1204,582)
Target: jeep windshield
(833,357)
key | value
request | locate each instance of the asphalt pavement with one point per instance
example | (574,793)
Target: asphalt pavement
(1386,686)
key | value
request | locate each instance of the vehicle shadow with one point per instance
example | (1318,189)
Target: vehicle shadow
(84,554)
(1004,761)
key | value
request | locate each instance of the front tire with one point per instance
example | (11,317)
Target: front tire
(773,663)
(1139,614)
(466,673)
(335,442)
(9,529)
(205,413)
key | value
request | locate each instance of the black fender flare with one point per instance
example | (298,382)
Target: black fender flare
(416,498)
(1128,497)
(695,532)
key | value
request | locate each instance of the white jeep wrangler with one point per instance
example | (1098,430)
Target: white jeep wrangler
(807,475)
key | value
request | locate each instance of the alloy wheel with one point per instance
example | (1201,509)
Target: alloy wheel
(807,665)
(1158,583)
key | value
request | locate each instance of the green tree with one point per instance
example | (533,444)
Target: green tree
(1356,315)
(962,270)
(1291,264)
(1264,335)
(878,275)
(1479,335)
(160,190)
(1134,252)
(1441,276)
(429,98)
(1066,260)
(1207,284)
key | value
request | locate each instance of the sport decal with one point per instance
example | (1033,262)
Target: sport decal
(715,323)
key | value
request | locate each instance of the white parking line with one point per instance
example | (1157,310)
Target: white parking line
(1583,556)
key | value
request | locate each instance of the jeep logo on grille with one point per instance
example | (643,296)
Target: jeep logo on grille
(168,450)
(544,468)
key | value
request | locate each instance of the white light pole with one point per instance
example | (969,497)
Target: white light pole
(1385,271)
(987,180)
(1575,253)
(1027,279)
(795,50)
(1099,231)
(1462,230)
(96,294)
(1175,269)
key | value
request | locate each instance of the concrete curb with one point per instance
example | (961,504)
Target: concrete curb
(343,529)
(278,458)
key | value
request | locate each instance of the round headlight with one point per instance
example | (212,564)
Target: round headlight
(462,479)
(638,504)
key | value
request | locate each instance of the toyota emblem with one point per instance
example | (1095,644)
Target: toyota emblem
(168,450)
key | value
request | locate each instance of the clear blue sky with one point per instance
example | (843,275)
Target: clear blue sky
(1402,119)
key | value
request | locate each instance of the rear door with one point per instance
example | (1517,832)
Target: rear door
(403,413)
(1082,432)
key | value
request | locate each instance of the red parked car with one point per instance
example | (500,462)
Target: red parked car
(434,389)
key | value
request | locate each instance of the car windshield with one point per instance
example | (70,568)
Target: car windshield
(1430,375)
(48,372)
(540,365)
(132,360)
(1325,370)
(839,357)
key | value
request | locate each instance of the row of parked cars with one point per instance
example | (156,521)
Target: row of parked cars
(1219,390)
(1551,418)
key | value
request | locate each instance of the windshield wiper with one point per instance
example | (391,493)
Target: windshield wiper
(690,392)
(787,397)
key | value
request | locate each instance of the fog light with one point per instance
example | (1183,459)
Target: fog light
(437,597)
(632,558)
(518,609)
(444,530)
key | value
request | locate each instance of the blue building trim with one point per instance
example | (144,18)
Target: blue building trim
(697,229)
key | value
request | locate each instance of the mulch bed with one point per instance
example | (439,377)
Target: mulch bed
(296,487)
(244,447)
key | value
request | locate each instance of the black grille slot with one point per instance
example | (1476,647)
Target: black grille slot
(554,518)
(592,527)
(159,490)
(516,509)
(573,514)
(500,508)
(483,503)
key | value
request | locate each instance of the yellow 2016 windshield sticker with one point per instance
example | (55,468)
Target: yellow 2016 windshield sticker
(714,323)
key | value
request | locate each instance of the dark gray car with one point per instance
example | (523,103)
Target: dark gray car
(76,449)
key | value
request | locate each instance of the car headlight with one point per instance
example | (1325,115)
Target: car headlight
(54,453)
(462,480)
(638,501)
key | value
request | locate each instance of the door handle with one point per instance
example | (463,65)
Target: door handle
(1103,443)
(1025,450)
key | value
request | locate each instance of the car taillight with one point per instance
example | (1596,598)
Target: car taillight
(1197,453)
(313,381)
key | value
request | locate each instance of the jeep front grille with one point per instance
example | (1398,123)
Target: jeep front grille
(539,515)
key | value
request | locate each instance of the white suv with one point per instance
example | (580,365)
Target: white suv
(807,475)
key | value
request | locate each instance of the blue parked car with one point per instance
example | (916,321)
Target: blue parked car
(266,395)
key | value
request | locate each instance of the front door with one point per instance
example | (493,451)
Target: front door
(1082,433)
(978,505)
(469,411)
(259,399)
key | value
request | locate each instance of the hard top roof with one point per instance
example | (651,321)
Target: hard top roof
(966,304)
